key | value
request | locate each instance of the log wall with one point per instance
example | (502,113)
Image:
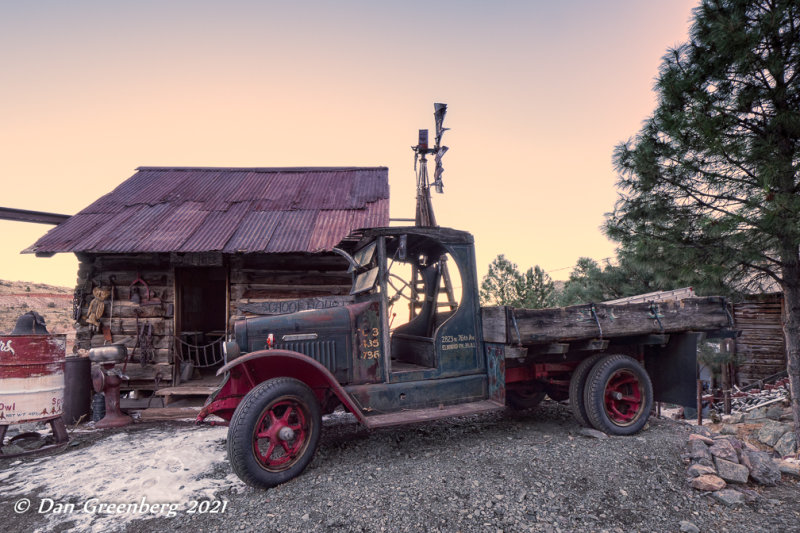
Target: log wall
(760,348)
(253,278)
(157,271)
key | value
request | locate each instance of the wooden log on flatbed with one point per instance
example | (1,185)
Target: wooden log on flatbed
(594,321)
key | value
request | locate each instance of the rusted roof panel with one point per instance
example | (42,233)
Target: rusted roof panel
(196,209)
(67,234)
(329,225)
(253,232)
(216,230)
(293,232)
(175,229)
(101,235)
(136,230)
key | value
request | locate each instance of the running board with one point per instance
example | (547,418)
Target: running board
(412,416)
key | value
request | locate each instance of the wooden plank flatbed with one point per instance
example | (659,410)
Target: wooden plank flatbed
(532,327)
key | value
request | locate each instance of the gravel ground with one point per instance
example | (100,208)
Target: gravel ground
(505,471)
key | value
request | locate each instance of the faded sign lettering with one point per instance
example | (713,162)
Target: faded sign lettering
(285,307)
(5,346)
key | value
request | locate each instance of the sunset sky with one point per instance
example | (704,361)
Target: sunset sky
(539,93)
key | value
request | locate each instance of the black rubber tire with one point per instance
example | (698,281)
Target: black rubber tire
(595,394)
(253,406)
(524,398)
(577,384)
(557,395)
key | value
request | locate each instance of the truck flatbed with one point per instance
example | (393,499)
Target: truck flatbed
(530,327)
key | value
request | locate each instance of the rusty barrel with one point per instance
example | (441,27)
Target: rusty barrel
(31,377)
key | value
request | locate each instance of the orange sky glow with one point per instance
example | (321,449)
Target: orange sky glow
(539,93)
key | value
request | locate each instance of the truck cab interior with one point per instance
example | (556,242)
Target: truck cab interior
(421,284)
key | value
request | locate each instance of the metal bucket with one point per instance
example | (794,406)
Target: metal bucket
(31,377)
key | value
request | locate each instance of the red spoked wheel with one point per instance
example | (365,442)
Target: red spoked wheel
(281,434)
(274,432)
(624,398)
(618,395)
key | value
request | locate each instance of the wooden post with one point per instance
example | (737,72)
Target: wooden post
(699,402)
(726,388)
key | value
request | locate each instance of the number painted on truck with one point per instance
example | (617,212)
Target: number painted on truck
(370,343)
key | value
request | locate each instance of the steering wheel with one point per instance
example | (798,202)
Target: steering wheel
(398,292)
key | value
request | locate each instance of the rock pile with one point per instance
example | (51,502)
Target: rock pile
(719,462)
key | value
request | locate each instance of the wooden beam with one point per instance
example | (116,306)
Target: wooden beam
(590,345)
(590,321)
(549,349)
(649,340)
(37,217)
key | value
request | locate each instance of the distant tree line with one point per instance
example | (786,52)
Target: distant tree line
(628,275)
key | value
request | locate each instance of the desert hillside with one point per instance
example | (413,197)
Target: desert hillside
(52,302)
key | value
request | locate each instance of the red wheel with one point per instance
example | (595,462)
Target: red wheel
(281,434)
(274,432)
(618,395)
(624,398)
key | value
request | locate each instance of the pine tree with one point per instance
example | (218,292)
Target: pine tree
(504,284)
(710,183)
(500,284)
(536,289)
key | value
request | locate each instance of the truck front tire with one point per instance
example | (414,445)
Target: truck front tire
(618,395)
(274,432)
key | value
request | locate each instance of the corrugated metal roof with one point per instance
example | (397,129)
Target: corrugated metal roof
(233,210)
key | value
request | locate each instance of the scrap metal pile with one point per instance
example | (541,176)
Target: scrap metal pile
(763,393)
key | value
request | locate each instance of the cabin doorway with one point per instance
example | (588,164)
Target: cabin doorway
(200,321)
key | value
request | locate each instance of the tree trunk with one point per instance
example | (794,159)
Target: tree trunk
(791,330)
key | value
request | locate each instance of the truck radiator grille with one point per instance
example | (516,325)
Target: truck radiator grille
(322,351)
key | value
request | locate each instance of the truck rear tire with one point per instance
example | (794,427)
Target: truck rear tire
(618,395)
(577,385)
(524,397)
(274,432)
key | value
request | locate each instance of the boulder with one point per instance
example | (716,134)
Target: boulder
(744,459)
(593,433)
(756,414)
(698,451)
(775,412)
(763,470)
(787,444)
(688,527)
(708,482)
(787,467)
(729,497)
(735,418)
(771,432)
(701,438)
(724,449)
(702,430)
(732,472)
(701,470)
(728,429)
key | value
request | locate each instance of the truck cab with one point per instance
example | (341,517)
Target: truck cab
(386,370)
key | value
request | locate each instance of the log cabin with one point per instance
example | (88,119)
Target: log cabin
(185,251)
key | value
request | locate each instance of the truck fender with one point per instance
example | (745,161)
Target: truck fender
(245,372)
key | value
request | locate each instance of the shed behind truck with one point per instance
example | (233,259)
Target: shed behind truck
(187,250)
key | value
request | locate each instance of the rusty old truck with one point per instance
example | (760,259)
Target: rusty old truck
(452,357)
